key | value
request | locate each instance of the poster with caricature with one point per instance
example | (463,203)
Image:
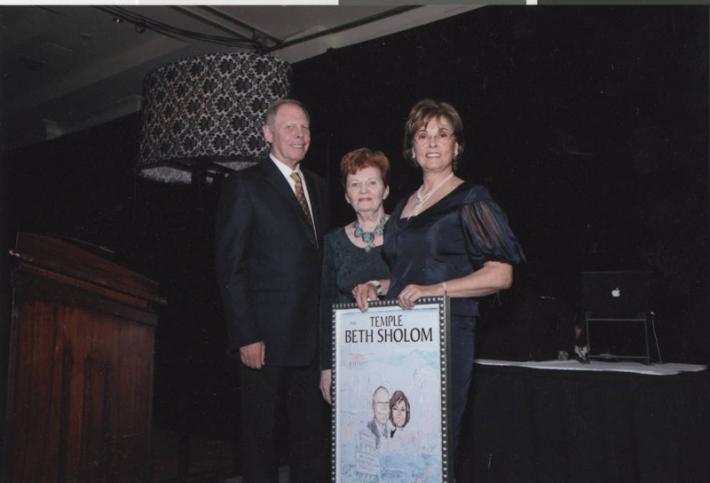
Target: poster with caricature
(389,392)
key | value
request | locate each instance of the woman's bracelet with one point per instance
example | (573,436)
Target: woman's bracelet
(446,291)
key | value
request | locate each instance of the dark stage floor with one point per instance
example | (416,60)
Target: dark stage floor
(209,459)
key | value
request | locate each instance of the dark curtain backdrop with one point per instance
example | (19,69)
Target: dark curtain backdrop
(588,124)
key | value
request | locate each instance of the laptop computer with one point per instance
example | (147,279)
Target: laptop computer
(616,306)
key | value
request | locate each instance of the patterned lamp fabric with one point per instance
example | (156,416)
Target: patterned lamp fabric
(209,107)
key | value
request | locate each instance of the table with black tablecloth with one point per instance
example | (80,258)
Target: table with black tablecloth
(564,421)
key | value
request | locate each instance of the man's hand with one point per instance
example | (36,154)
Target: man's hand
(253,355)
(325,383)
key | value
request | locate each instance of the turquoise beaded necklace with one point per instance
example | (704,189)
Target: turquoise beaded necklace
(368,237)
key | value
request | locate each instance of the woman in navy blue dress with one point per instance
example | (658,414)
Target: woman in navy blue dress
(447,238)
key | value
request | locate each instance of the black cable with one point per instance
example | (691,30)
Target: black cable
(141,21)
(652,316)
(188,13)
(255,31)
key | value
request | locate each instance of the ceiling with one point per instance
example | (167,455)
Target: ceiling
(67,68)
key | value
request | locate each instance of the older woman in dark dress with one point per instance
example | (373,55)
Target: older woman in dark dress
(353,254)
(447,238)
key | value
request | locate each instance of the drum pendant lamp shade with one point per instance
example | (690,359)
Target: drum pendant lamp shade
(207,111)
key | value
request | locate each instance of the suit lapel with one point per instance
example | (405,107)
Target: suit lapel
(273,176)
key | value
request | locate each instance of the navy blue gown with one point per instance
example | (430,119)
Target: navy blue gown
(451,239)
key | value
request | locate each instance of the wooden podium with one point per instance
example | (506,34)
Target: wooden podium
(80,379)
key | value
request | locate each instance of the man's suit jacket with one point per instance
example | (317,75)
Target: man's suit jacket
(268,262)
(375,429)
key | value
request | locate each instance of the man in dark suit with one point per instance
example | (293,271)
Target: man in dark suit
(270,223)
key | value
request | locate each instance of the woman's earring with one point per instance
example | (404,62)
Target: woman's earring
(414,156)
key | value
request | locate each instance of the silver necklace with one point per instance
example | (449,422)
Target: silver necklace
(423,198)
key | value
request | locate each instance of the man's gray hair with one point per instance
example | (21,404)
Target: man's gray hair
(274,107)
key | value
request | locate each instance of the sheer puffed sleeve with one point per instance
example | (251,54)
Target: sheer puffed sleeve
(328,296)
(486,231)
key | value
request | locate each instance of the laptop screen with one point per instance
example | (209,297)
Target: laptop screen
(617,293)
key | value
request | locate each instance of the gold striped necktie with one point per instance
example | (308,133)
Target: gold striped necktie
(301,196)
